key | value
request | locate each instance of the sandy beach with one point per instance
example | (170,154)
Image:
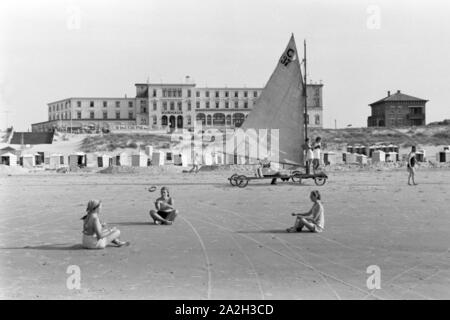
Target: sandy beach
(227,243)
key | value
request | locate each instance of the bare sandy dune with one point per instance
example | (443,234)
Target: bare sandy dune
(228,243)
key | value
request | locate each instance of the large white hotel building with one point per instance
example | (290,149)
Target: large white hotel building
(160,106)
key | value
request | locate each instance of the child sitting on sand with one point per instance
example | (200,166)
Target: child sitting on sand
(166,212)
(95,233)
(315,221)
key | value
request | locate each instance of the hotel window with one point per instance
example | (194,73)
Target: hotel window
(197,105)
(236,94)
(91,115)
(180,93)
(79,104)
(255,94)
(154,93)
(91,104)
(164,93)
(117,115)
(172,106)
(78,115)
(117,104)
(189,106)
(217,105)
(217,94)
(246,105)
(227,105)
(226,94)
(105,104)
(245,94)
(130,104)
(155,121)
(169,93)
(164,106)
(130,115)
(197,94)
(154,106)
(57,107)
(207,94)
(189,93)
(207,105)
(105,115)
(236,105)
(189,120)
(179,106)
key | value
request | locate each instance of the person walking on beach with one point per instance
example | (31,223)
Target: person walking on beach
(410,166)
(313,220)
(165,212)
(195,164)
(316,153)
(95,234)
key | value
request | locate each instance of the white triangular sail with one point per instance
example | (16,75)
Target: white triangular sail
(274,129)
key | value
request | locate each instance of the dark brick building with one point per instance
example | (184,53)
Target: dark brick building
(397,110)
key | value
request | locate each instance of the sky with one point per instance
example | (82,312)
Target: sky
(51,50)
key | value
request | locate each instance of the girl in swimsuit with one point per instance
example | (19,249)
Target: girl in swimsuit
(95,233)
(165,212)
(313,220)
(410,167)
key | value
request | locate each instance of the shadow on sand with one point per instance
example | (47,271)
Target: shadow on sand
(273,231)
(63,247)
(132,223)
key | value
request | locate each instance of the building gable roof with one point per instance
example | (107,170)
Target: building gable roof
(398,97)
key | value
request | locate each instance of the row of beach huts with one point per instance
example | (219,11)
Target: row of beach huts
(379,153)
(149,157)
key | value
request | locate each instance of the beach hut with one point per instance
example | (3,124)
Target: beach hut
(78,159)
(122,159)
(361,159)
(420,155)
(28,161)
(350,149)
(168,157)
(104,160)
(178,159)
(157,158)
(139,160)
(39,158)
(372,149)
(349,157)
(378,156)
(149,150)
(392,157)
(9,159)
(329,158)
(56,160)
(443,156)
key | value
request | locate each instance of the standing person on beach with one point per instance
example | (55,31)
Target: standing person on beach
(316,153)
(195,164)
(95,233)
(165,212)
(410,166)
(313,220)
(309,154)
